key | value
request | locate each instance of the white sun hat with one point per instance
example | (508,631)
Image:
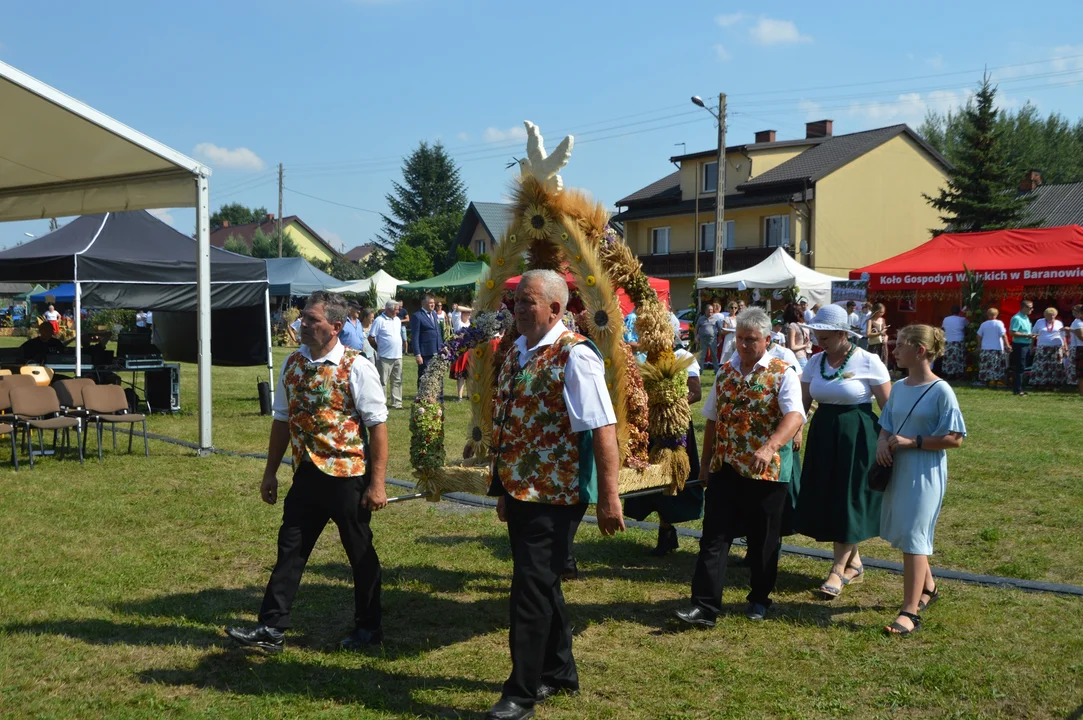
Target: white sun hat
(831,318)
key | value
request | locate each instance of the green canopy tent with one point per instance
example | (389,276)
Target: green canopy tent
(23,297)
(460,281)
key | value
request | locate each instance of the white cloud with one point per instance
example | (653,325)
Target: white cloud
(463,136)
(911,108)
(516,132)
(767,31)
(220,157)
(162,214)
(1067,57)
(936,61)
(730,19)
(812,110)
(721,52)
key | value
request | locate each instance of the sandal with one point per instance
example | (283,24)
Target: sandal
(830,592)
(933,597)
(897,629)
(858,578)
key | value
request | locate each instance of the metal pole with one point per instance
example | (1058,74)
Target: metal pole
(279,209)
(270,360)
(78,323)
(203,310)
(720,188)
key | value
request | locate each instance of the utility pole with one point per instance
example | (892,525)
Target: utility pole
(279,209)
(720,188)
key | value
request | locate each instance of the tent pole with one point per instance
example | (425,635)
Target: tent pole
(78,324)
(270,360)
(203,310)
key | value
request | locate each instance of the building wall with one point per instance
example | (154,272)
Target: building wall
(764,160)
(307,245)
(748,228)
(480,233)
(872,208)
(738,168)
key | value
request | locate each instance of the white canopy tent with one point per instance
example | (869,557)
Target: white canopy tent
(60,157)
(778,270)
(386,286)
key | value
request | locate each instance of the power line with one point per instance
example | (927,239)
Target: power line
(332,202)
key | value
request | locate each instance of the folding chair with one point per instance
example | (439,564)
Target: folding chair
(19,380)
(6,429)
(38,409)
(42,375)
(4,371)
(109,404)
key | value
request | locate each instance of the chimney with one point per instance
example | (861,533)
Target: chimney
(1031,180)
(765,136)
(270,217)
(818,129)
(225,223)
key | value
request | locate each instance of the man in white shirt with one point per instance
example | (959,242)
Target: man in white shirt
(753,414)
(385,335)
(327,398)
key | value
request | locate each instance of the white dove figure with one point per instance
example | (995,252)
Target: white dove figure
(542,166)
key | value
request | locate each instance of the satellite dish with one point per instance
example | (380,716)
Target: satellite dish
(741,285)
(804,247)
(865,276)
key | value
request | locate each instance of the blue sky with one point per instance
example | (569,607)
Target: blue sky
(340,90)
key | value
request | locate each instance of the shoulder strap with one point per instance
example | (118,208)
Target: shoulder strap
(931,386)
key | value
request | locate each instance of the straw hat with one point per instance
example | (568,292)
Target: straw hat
(831,318)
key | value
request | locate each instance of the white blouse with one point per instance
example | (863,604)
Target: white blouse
(954,328)
(1077,324)
(859,376)
(990,332)
(1049,335)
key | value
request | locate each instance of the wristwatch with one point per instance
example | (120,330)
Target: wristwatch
(918,441)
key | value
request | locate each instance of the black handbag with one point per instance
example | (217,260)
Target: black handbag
(880,475)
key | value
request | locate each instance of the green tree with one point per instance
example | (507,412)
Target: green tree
(465,254)
(265,245)
(981,192)
(431,186)
(407,262)
(235,245)
(434,235)
(340,268)
(237,214)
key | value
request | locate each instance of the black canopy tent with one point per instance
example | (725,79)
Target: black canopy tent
(133,260)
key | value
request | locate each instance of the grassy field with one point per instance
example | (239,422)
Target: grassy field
(115,582)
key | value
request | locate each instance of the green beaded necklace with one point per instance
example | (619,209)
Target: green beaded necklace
(838,371)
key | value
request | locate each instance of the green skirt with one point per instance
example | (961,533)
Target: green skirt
(834,503)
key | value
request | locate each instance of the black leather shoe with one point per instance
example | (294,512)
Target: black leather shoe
(360,639)
(262,637)
(696,616)
(667,542)
(507,710)
(756,612)
(571,570)
(546,691)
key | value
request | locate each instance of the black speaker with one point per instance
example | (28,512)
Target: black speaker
(163,389)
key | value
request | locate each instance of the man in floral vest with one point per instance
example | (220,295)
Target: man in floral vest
(327,396)
(554,451)
(753,413)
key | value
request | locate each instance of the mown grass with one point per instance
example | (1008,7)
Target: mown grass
(116,580)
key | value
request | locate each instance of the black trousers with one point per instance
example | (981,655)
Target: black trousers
(737,506)
(541,633)
(314,499)
(1018,363)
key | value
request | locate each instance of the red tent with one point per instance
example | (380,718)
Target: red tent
(1004,258)
(661,287)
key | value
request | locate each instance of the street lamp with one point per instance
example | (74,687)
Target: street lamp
(720,180)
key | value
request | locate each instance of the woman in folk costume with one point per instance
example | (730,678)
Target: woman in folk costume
(753,414)
(460,369)
(835,503)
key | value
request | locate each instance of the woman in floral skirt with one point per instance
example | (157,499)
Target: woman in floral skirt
(460,369)
(954,364)
(994,349)
(1075,341)
(1048,369)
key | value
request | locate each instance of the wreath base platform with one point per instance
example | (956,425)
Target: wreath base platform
(474,480)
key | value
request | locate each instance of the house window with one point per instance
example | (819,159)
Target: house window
(710,177)
(481,247)
(776,231)
(706,236)
(660,241)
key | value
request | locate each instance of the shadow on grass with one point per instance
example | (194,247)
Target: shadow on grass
(498,545)
(244,673)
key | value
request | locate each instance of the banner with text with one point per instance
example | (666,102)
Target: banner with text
(1071,275)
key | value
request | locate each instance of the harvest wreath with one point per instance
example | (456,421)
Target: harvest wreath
(563,230)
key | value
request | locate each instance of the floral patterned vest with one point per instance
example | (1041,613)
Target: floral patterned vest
(322,418)
(748,415)
(536,456)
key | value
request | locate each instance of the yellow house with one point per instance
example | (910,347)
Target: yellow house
(308,241)
(836,202)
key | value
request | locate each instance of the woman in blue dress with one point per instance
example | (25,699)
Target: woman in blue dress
(920,423)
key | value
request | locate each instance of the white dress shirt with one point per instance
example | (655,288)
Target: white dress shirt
(693,369)
(855,323)
(585,394)
(388,334)
(954,328)
(789,393)
(365,386)
(991,332)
